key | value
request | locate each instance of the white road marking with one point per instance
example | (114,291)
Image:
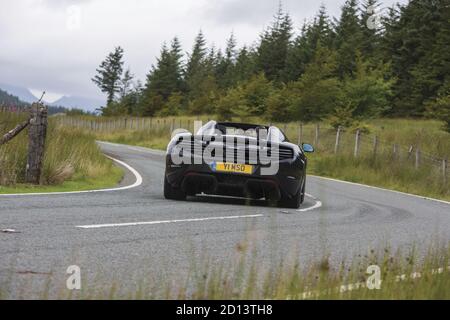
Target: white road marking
(137,183)
(362,285)
(9,231)
(383,189)
(135,148)
(130,224)
(316,205)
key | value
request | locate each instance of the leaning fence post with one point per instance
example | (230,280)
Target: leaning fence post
(417,163)
(357,137)
(36,146)
(338,137)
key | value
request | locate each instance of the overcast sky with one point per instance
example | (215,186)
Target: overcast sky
(57,44)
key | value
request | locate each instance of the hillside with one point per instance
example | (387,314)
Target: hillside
(9,99)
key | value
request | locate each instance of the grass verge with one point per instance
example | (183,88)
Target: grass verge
(73,161)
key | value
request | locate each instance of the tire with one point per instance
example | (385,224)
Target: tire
(290,202)
(295,201)
(172,193)
(302,197)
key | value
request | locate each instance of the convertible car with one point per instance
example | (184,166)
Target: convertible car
(236,159)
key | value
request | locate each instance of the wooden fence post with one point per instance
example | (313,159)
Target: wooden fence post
(300,133)
(375,146)
(338,137)
(417,163)
(316,139)
(394,151)
(444,170)
(357,137)
(37,134)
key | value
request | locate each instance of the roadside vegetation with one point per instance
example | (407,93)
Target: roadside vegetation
(404,275)
(72,162)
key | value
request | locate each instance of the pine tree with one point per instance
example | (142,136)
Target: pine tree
(420,56)
(274,45)
(348,38)
(164,79)
(368,92)
(177,65)
(226,72)
(126,83)
(109,74)
(256,91)
(196,67)
(318,91)
(371,29)
(245,64)
(321,30)
(305,45)
(299,56)
(231,104)
(278,105)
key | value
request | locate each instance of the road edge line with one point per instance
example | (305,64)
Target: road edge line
(380,188)
(137,183)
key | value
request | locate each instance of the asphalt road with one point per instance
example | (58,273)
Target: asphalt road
(134,236)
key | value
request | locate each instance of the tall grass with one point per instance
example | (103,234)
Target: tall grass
(403,275)
(71,155)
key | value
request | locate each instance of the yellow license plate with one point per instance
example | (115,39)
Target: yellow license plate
(232,167)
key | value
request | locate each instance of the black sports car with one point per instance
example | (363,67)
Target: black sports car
(236,159)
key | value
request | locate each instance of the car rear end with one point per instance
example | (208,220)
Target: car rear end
(240,173)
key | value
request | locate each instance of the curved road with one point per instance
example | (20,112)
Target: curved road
(134,235)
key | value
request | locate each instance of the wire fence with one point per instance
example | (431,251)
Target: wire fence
(341,141)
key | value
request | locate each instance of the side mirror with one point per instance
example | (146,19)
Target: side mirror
(307,148)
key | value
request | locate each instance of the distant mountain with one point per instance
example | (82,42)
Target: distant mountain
(15,103)
(22,93)
(78,102)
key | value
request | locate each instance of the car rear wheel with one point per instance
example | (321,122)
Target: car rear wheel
(173,193)
(295,201)
(302,199)
(290,202)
